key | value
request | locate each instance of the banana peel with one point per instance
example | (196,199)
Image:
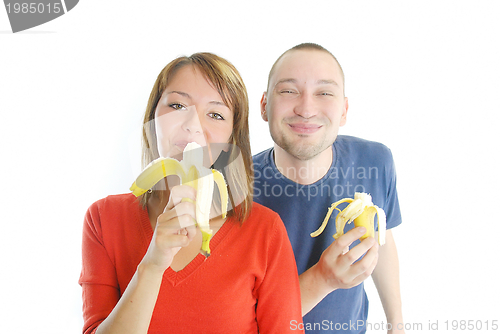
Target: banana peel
(361,211)
(191,172)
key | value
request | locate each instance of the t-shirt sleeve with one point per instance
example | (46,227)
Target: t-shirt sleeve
(98,279)
(391,206)
(278,293)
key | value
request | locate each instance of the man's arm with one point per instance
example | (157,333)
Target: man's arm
(386,279)
(338,269)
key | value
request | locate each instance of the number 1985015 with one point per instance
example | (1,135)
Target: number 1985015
(34,7)
(472,325)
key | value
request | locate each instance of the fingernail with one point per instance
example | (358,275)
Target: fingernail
(362,229)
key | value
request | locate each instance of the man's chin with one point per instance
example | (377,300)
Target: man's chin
(302,151)
(304,148)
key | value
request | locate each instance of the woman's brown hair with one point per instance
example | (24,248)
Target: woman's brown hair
(227,81)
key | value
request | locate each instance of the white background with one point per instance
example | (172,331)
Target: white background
(421,76)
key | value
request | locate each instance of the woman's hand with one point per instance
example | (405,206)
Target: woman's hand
(175,228)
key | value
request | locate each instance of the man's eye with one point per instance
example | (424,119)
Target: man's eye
(287,91)
(176,106)
(216,116)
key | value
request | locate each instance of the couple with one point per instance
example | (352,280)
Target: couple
(143,271)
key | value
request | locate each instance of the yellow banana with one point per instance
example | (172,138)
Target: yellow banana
(362,211)
(191,172)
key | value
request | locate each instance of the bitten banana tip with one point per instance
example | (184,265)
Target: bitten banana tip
(362,211)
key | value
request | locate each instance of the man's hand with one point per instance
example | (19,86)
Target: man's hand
(338,268)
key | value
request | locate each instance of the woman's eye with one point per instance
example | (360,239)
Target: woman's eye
(176,106)
(216,116)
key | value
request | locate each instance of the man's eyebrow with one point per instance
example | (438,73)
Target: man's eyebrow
(327,82)
(287,80)
(319,82)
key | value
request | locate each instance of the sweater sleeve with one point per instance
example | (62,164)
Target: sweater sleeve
(278,293)
(100,291)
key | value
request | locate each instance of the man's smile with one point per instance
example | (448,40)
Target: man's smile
(304,128)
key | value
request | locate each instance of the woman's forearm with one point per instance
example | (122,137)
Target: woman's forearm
(132,313)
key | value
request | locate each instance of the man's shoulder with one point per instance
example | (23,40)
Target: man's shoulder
(355,146)
(359,143)
(261,159)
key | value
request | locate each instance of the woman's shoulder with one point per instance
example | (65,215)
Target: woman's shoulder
(263,218)
(117,215)
(261,210)
(115,206)
(264,229)
(116,201)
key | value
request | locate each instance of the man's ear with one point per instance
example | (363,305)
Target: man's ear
(343,118)
(263,105)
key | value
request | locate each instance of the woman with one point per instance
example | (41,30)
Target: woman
(142,267)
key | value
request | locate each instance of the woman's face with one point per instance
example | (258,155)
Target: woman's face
(191,110)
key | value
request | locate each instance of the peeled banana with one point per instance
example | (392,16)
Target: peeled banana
(362,211)
(191,172)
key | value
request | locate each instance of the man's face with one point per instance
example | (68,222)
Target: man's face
(305,103)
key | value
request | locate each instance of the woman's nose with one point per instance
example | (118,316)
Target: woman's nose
(192,123)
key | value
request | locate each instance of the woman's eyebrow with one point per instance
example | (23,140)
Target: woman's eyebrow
(215,102)
(180,93)
(219,103)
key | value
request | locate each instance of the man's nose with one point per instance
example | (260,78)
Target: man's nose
(305,106)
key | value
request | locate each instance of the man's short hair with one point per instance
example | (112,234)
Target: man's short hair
(306,46)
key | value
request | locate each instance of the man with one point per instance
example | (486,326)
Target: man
(309,168)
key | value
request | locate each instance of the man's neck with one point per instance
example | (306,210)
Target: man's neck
(303,171)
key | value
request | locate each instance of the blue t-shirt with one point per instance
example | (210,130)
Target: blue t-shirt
(358,166)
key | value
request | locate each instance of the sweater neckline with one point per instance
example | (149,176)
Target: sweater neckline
(176,277)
